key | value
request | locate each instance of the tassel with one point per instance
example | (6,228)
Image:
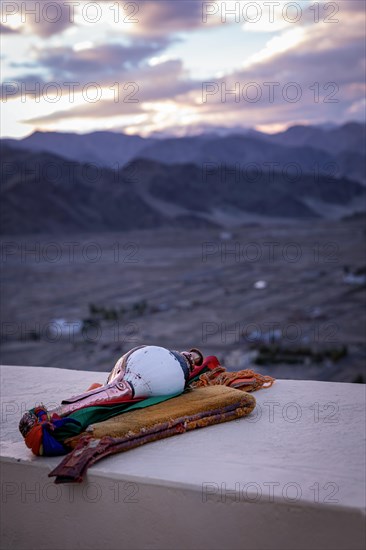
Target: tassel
(246,380)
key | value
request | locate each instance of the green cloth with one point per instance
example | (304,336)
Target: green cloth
(92,415)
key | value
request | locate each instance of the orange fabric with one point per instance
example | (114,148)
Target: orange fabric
(33,439)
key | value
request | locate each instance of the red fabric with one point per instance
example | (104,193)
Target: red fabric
(210,362)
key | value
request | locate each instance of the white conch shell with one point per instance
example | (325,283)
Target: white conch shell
(155,371)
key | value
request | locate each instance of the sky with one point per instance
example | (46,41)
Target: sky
(179,67)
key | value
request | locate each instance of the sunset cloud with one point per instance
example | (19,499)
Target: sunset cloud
(281,71)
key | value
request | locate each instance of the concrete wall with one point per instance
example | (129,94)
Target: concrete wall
(290,476)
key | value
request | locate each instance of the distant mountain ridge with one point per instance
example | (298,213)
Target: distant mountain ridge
(110,149)
(338,151)
(45,193)
(348,137)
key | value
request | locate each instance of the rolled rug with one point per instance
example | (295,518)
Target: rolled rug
(196,408)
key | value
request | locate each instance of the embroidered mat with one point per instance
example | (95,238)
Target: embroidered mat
(196,408)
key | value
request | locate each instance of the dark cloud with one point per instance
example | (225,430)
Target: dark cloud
(326,67)
(12,89)
(97,62)
(350,5)
(166,80)
(160,82)
(44,19)
(152,18)
(165,17)
(306,65)
(150,84)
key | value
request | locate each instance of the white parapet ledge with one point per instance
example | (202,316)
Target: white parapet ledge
(289,476)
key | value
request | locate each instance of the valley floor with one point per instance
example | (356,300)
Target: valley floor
(273,297)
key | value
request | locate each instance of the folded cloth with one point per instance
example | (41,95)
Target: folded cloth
(195,408)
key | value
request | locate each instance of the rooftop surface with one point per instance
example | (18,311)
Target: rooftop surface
(290,475)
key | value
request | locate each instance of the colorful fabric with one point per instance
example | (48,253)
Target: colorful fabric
(46,433)
(39,428)
(193,409)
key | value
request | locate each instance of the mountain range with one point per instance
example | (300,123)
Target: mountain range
(185,182)
(333,151)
